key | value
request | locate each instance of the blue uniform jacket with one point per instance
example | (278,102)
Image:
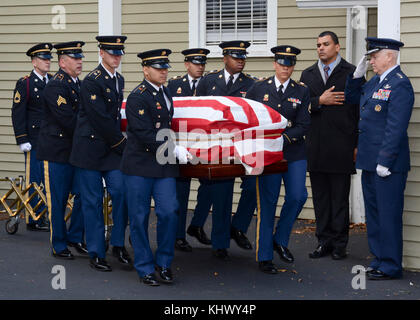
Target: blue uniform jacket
(28,108)
(62,100)
(98,143)
(180,87)
(293,105)
(146,114)
(385,111)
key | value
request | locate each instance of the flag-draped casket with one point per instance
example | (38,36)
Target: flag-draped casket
(221,130)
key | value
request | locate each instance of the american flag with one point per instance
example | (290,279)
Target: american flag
(220,129)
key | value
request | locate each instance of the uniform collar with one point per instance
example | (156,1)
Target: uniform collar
(383,75)
(278,83)
(190,80)
(40,77)
(227,75)
(154,86)
(110,74)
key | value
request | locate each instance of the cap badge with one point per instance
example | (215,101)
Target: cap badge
(288,49)
(163,53)
(118,40)
(242,45)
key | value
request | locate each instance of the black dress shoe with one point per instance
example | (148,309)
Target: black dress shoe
(221,254)
(182,245)
(37,227)
(240,238)
(321,251)
(267,267)
(339,253)
(198,232)
(165,274)
(283,252)
(79,246)
(378,275)
(122,255)
(150,279)
(100,264)
(65,254)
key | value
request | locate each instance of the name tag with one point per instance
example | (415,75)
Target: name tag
(382,94)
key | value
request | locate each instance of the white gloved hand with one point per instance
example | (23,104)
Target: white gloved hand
(361,68)
(25,147)
(182,154)
(382,171)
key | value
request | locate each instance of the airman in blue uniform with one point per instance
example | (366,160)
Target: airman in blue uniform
(230,81)
(184,86)
(383,154)
(98,145)
(291,100)
(62,101)
(27,113)
(150,169)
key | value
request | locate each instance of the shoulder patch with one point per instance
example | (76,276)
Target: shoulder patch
(250,76)
(176,77)
(302,84)
(94,74)
(142,88)
(212,71)
(400,75)
(24,78)
(58,76)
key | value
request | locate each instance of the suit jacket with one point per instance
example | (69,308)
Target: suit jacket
(147,114)
(62,100)
(98,143)
(214,84)
(332,136)
(293,104)
(385,111)
(28,108)
(180,87)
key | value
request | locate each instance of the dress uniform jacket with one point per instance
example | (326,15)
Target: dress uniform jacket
(28,108)
(98,142)
(332,136)
(147,113)
(62,100)
(214,84)
(180,87)
(293,105)
(385,111)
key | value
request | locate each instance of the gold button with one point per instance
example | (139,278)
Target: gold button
(158,115)
(109,100)
(279,105)
(61,134)
(92,136)
(33,126)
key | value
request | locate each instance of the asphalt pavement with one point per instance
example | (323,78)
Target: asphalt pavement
(29,272)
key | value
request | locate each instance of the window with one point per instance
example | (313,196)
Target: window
(214,21)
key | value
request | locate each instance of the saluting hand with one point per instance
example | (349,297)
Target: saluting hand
(330,98)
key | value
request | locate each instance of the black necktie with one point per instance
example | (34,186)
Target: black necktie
(162,96)
(230,83)
(44,79)
(78,83)
(114,79)
(280,91)
(193,86)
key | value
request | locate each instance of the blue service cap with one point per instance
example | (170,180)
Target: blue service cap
(285,54)
(196,55)
(112,44)
(72,49)
(236,48)
(157,58)
(40,50)
(376,44)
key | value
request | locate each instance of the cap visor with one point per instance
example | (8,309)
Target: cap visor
(162,65)
(195,61)
(115,52)
(372,51)
(286,62)
(76,55)
(44,56)
(238,55)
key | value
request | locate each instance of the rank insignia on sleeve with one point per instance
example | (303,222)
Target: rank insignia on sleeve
(16,99)
(141,112)
(93,97)
(61,100)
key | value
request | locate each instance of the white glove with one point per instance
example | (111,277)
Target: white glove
(25,147)
(382,171)
(182,154)
(361,68)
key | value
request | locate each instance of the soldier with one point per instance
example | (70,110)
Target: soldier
(386,103)
(292,101)
(98,145)
(195,63)
(149,108)
(27,113)
(62,100)
(227,82)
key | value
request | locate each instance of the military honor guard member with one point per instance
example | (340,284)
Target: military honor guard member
(97,150)
(62,101)
(149,109)
(291,100)
(195,63)
(331,143)
(27,113)
(386,103)
(230,81)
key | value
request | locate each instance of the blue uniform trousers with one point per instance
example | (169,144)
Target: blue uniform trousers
(203,205)
(247,204)
(34,171)
(59,182)
(384,203)
(267,197)
(138,192)
(182,193)
(92,192)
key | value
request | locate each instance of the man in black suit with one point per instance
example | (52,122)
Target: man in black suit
(331,143)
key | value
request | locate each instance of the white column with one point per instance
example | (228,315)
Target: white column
(389,19)
(109,17)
